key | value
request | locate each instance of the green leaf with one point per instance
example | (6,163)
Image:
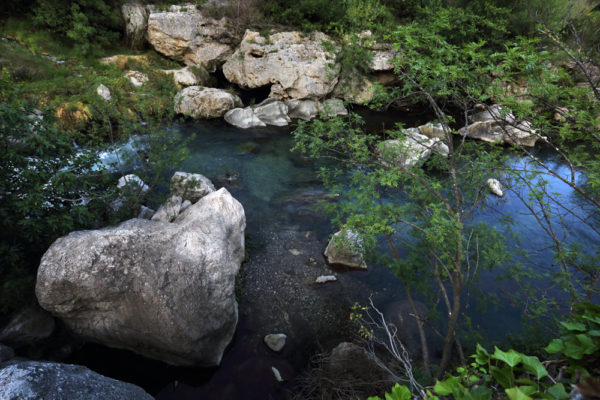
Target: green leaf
(510,357)
(481,393)
(573,326)
(503,376)
(481,356)
(555,346)
(516,394)
(399,393)
(558,392)
(448,386)
(534,365)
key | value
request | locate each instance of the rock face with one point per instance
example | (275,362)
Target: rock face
(198,102)
(296,66)
(344,250)
(302,109)
(32,380)
(168,211)
(184,34)
(27,326)
(163,290)
(499,126)
(412,151)
(135,16)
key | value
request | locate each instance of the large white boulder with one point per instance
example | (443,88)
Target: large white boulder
(164,290)
(200,102)
(295,65)
(34,380)
(185,33)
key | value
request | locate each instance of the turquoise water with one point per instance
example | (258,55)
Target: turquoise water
(278,188)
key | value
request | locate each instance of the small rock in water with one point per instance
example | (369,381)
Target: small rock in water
(6,353)
(275,341)
(276,374)
(295,252)
(325,278)
(495,187)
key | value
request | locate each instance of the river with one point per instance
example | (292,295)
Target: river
(285,239)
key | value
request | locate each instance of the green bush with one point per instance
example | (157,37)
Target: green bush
(88,24)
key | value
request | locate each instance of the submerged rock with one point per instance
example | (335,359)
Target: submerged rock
(27,326)
(295,65)
(163,290)
(33,380)
(275,341)
(199,102)
(6,353)
(345,250)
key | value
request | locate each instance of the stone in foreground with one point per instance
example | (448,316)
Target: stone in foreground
(33,380)
(344,249)
(163,290)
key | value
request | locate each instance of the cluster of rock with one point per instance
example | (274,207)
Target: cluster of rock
(294,65)
(130,286)
(279,113)
(498,125)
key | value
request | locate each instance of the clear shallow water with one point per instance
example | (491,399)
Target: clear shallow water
(278,188)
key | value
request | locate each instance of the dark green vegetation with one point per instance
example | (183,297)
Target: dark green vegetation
(538,59)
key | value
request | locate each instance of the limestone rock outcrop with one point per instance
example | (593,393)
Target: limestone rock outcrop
(164,290)
(200,102)
(294,65)
(33,380)
(135,16)
(186,34)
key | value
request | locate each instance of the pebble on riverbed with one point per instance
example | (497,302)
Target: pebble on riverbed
(325,278)
(275,341)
